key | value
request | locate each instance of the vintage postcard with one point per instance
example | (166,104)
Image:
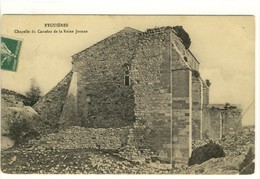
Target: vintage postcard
(122,94)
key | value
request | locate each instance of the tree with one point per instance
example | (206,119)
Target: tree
(34,92)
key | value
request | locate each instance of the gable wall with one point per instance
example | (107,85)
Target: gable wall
(50,106)
(103,99)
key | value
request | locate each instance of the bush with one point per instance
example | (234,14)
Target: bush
(206,152)
(208,83)
(34,93)
(195,73)
(248,165)
(183,35)
(22,130)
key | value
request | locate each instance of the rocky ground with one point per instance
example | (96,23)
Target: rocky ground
(72,161)
(86,161)
(234,144)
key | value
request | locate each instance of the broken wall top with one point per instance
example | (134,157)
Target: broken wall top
(128,32)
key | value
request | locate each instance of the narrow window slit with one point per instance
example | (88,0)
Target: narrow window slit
(127,80)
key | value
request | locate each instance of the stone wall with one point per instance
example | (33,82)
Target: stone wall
(138,79)
(205,94)
(162,77)
(197,104)
(84,138)
(69,115)
(218,121)
(181,104)
(181,117)
(192,61)
(211,123)
(150,73)
(104,98)
(232,120)
(50,106)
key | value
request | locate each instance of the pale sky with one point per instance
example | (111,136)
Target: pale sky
(224,45)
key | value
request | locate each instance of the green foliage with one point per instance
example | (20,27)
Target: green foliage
(206,152)
(23,130)
(34,93)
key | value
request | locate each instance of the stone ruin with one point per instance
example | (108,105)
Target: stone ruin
(145,83)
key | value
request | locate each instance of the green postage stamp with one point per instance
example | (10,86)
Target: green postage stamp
(10,50)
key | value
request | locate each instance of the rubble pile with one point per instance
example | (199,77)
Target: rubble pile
(199,143)
(238,143)
(248,164)
(132,154)
(59,154)
(76,161)
(224,165)
(79,138)
(234,144)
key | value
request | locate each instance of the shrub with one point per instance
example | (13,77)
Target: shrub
(206,152)
(183,35)
(248,166)
(22,130)
(195,73)
(208,83)
(34,93)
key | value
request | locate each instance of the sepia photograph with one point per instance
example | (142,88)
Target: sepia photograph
(128,94)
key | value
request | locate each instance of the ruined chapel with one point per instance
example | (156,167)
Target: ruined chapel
(148,81)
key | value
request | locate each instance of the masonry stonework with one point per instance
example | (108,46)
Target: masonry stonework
(103,98)
(197,105)
(219,120)
(80,137)
(183,63)
(50,106)
(205,94)
(232,121)
(181,117)
(70,107)
(150,73)
(145,82)
(211,124)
